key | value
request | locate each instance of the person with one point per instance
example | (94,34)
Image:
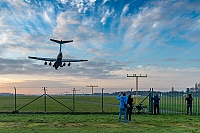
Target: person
(129,108)
(189,103)
(156,104)
(123,100)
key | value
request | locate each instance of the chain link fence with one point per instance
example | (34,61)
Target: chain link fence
(99,102)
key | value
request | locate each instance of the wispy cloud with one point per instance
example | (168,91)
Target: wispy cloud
(194,60)
(170,60)
(118,37)
(160,21)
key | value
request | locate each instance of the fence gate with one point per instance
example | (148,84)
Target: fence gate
(174,102)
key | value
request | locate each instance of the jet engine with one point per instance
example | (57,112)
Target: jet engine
(45,63)
(64,64)
(69,64)
(50,63)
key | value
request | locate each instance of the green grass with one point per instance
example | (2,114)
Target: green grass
(82,104)
(46,123)
(168,104)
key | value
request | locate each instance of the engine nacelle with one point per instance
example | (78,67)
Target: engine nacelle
(69,64)
(45,63)
(64,64)
(50,63)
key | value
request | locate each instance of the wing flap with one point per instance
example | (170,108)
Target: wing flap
(73,60)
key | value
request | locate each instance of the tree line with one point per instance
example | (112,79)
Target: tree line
(196,87)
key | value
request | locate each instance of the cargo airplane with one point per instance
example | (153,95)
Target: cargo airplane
(59,61)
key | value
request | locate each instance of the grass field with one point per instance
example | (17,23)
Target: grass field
(168,104)
(45,123)
(82,104)
(105,123)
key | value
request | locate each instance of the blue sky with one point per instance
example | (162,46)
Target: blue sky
(118,37)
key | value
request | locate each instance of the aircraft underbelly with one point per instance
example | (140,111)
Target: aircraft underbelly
(58,63)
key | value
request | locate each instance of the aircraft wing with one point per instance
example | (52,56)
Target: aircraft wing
(73,60)
(40,58)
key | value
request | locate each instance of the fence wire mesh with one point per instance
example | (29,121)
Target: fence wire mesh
(101,101)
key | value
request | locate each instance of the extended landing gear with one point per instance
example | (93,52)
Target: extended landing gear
(45,63)
(63,65)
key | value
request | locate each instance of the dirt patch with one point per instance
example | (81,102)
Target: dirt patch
(36,124)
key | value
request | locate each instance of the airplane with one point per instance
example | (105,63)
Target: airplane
(59,61)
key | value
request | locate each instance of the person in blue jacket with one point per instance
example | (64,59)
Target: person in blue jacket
(123,100)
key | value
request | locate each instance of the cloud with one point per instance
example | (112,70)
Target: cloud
(46,17)
(194,60)
(160,21)
(22,26)
(106,15)
(83,30)
(104,1)
(170,60)
(153,37)
(40,83)
(93,69)
(82,6)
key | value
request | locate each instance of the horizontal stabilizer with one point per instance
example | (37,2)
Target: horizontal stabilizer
(61,41)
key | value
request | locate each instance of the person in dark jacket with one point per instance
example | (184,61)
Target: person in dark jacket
(156,104)
(189,103)
(129,107)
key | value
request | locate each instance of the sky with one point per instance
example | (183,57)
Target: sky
(160,38)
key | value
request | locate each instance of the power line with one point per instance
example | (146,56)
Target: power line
(87,53)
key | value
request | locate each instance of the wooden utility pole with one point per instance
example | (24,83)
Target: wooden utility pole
(92,89)
(137,76)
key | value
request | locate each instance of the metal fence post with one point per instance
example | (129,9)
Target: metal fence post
(196,104)
(15,99)
(151,101)
(102,100)
(73,101)
(45,99)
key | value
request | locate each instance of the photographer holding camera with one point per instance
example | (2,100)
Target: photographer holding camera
(122,106)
